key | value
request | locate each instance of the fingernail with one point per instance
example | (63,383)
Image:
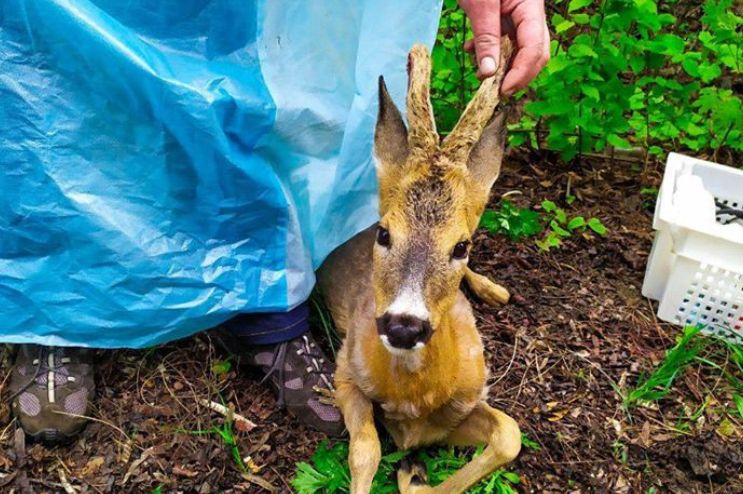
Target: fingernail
(488,65)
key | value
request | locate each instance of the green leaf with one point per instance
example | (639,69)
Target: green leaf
(221,367)
(576,222)
(738,399)
(529,442)
(511,477)
(637,64)
(581,19)
(578,51)
(596,225)
(708,72)
(690,66)
(549,206)
(618,142)
(560,216)
(578,4)
(591,92)
(551,241)
(561,24)
(674,45)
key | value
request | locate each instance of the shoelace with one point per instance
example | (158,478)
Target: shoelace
(46,361)
(310,353)
(317,361)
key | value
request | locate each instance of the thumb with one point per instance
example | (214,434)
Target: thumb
(486,27)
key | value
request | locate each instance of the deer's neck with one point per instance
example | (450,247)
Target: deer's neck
(415,383)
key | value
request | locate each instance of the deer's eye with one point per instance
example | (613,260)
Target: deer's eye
(383,237)
(461,250)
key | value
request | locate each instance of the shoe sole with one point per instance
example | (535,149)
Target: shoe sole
(53,437)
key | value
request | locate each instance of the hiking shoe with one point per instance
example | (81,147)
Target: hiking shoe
(51,387)
(301,375)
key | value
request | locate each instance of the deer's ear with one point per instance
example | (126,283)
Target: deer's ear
(390,135)
(485,158)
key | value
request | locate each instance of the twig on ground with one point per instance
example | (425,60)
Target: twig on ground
(5,431)
(68,488)
(261,482)
(223,410)
(510,364)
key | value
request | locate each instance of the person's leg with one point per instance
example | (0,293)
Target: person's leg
(281,345)
(51,390)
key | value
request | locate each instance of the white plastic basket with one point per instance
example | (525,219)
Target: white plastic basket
(695,269)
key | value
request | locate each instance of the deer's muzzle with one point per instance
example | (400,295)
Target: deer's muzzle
(403,332)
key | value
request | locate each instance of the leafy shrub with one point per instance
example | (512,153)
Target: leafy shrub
(622,73)
(519,223)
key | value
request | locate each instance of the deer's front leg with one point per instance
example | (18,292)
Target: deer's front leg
(486,425)
(488,291)
(364,451)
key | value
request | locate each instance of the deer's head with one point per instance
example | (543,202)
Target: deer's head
(432,194)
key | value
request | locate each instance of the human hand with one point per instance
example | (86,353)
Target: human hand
(525,22)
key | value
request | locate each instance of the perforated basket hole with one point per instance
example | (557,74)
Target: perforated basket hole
(726,203)
(714,299)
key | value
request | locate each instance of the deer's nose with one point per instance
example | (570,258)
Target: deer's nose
(404,332)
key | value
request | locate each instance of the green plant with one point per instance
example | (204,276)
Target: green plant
(628,72)
(529,443)
(649,195)
(561,226)
(227,434)
(221,367)
(622,73)
(513,221)
(738,400)
(659,382)
(711,354)
(620,451)
(519,223)
(328,471)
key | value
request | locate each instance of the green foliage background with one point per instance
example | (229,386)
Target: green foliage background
(660,75)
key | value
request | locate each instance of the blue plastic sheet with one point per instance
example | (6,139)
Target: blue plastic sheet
(167,164)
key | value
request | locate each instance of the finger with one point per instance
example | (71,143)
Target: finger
(469,46)
(532,39)
(485,19)
(507,29)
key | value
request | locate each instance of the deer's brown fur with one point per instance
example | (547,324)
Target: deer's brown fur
(432,194)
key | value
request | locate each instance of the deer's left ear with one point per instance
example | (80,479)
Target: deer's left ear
(485,158)
(390,145)
(390,134)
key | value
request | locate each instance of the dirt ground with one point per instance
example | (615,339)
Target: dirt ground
(577,326)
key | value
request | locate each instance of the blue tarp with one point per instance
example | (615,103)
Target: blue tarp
(167,164)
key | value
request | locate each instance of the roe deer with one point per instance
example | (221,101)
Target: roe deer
(411,345)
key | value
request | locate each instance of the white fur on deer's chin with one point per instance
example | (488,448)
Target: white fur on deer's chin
(410,359)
